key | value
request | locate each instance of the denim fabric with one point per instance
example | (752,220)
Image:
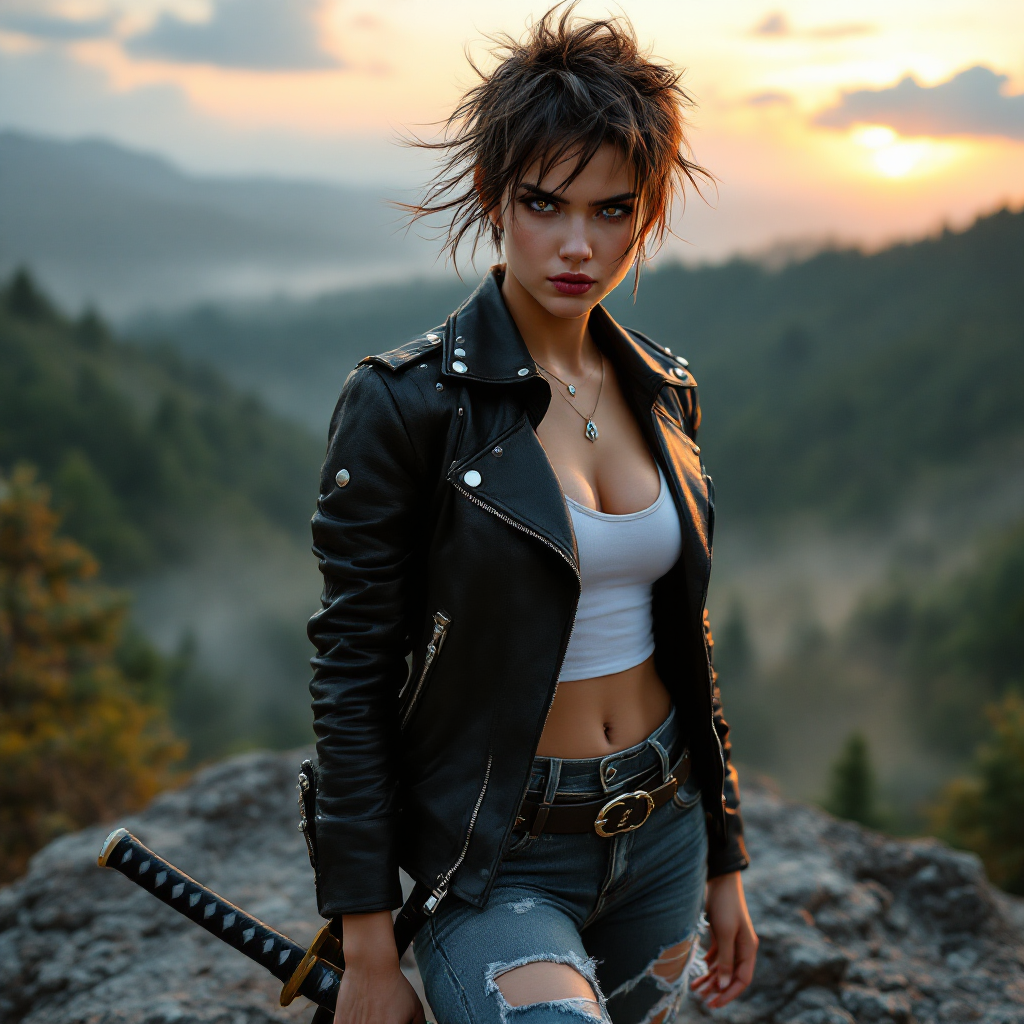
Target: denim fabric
(608,907)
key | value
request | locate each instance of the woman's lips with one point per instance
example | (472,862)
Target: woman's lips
(572,284)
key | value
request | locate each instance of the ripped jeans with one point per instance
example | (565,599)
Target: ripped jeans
(609,908)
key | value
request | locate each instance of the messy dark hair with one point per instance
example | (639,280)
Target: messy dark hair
(559,93)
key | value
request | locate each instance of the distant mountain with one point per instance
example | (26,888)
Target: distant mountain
(833,385)
(124,229)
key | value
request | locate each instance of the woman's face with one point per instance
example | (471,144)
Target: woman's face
(566,248)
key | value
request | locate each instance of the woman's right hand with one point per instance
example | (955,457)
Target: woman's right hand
(373,988)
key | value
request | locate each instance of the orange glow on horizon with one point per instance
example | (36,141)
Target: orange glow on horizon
(758,95)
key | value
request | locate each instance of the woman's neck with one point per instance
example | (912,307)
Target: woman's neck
(556,343)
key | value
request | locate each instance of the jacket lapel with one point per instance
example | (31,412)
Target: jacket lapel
(513,478)
(654,385)
(511,475)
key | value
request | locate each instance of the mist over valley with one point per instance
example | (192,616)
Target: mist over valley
(862,422)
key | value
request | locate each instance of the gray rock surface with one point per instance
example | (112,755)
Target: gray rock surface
(854,926)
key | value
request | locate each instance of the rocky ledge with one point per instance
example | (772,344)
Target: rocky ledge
(854,926)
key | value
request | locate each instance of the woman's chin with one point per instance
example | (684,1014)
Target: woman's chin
(567,307)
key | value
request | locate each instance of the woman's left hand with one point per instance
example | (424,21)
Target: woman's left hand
(733,951)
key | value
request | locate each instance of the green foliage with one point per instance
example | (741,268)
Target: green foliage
(24,300)
(852,786)
(297,354)
(836,384)
(832,386)
(986,813)
(959,639)
(138,446)
(80,740)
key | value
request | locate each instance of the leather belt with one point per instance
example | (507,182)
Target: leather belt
(607,817)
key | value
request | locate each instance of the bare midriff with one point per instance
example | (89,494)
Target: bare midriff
(594,717)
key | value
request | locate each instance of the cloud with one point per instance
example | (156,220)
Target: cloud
(970,103)
(53,28)
(258,35)
(776,25)
(842,31)
(770,99)
(47,91)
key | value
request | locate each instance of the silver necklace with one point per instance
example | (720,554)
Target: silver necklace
(590,430)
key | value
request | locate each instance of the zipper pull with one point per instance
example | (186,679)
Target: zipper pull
(435,898)
(441,622)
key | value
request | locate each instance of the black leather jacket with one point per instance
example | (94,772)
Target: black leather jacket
(442,532)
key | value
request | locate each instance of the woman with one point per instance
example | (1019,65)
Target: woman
(515,499)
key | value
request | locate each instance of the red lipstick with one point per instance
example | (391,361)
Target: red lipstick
(572,284)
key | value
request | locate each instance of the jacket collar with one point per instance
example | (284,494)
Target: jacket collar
(482,343)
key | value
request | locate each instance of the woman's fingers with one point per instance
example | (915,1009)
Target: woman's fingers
(709,959)
(724,959)
(743,973)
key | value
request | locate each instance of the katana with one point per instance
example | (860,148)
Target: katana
(314,972)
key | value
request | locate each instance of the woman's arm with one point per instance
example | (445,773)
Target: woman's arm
(732,856)
(733,951)
(373,988)
(363,534)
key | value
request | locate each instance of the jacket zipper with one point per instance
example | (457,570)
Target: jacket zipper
(530,532)
(441,889)
(523,529)
(441,624)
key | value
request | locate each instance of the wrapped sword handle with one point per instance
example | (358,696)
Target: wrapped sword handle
(275,952)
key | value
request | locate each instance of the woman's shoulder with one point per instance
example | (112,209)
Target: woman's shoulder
(680,401)
(403,382)
(425,346)
(662,354)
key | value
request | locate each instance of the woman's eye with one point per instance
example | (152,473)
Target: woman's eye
(614,212)
(541,205)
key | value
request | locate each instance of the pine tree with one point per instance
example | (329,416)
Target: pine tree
(852,791)
(986,813)
(78,742)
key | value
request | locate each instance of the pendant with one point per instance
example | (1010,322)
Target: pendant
(591,431)
(572,388)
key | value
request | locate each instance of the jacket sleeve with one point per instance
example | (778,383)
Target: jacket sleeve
(363,537)
(733,855)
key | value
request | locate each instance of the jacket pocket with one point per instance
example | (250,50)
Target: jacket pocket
(440,631)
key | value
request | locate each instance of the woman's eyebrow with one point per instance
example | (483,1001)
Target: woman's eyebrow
(540,193)
(550,197)
(622,197)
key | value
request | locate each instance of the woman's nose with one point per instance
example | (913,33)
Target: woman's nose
(576,246)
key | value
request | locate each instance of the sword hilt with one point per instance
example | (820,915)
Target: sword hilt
(250,936)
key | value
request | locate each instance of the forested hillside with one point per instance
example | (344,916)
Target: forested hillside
(831,386)
(836,383)
(138,445)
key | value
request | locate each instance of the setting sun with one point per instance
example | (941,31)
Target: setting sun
(894,157)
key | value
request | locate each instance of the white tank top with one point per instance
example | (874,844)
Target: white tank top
(620,557)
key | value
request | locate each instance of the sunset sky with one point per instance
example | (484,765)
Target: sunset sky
(860,122)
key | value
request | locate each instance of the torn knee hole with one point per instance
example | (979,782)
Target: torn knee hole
(544,981)
(672,962)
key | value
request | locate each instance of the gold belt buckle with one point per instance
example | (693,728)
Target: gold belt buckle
(624,813)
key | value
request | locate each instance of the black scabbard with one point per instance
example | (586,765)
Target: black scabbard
(270,949)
